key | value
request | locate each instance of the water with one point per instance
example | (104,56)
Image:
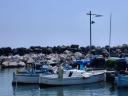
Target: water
(97,89)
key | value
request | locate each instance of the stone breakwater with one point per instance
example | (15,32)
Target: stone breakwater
(17,60)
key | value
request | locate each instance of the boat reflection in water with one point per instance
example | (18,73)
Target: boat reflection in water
(82,90)
(75,90)
(122,91)
(23,90)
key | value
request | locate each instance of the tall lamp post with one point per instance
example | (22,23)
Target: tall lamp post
(90,23)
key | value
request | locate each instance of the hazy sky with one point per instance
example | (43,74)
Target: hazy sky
(24,23)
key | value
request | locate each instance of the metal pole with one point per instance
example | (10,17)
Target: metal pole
(90,23)
(90,31)
(110,33)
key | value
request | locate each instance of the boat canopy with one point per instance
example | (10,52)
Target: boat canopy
(82,63)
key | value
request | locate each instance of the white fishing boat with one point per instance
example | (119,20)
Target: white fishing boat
(25,78)
(29,77)
(72,77)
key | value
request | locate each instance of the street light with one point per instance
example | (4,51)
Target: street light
(91,22)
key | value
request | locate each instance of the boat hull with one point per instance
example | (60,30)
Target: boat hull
(70,80)
(25,78)
(121,80)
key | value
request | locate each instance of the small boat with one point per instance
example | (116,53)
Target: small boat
(29,77)
(72,77)
(121,80)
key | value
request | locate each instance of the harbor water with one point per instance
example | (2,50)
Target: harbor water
(97,89)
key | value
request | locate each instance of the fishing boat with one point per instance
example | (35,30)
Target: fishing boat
(29,76)
(121,79)
(72,77)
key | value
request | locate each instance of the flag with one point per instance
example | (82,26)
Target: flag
(98,15)
(92,22)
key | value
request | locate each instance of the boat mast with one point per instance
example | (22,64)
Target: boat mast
(110,33)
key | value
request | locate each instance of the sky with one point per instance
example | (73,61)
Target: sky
(25,23)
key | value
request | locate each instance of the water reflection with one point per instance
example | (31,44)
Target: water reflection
(82,90)
(122,91)
(96,89)
(26,90)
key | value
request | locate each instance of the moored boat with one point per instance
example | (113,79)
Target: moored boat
(25,78)
(29,77)
(72,77)
(121,80)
